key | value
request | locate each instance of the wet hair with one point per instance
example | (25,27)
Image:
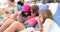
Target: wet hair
(12,0)
(35,9)
(20,3)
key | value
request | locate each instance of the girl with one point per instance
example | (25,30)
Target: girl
(25,12)
(30,20)
(47,20)
(33,13)
(12,7)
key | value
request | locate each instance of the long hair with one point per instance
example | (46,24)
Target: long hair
(46,14)
(35,9)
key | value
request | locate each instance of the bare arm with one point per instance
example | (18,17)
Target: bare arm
(40,28)
(16,10)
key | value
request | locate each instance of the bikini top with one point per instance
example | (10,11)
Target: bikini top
(12,9)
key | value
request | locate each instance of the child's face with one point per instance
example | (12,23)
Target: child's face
(45,15)
(26,13)
(10,3)
(33,13)
(40,18)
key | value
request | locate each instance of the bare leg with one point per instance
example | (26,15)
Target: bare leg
(15,26)
(6,24)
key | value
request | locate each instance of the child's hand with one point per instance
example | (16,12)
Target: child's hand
(7,10)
